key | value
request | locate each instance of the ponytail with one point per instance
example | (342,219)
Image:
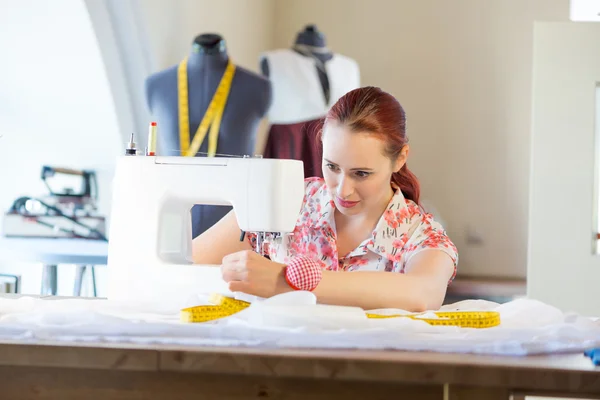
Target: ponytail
(408,184)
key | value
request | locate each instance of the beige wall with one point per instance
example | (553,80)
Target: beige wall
(246,25)
(462,70)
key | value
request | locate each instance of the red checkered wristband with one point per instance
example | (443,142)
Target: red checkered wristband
(303,273)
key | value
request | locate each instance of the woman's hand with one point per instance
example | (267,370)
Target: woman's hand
(251,273)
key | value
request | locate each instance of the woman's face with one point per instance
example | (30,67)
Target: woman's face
(356,170)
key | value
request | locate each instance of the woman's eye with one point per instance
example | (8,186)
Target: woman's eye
(331,167)
(362,174)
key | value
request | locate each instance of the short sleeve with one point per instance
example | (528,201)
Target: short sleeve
(430,235)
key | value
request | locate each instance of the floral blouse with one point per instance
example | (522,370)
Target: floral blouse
(403,230)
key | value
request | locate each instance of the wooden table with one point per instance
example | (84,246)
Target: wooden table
(102,371)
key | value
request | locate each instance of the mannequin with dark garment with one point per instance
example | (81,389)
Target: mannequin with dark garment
(298,109)
(249,100)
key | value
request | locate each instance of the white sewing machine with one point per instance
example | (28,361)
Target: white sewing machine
(150,234)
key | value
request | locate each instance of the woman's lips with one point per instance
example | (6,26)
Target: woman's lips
(346,204)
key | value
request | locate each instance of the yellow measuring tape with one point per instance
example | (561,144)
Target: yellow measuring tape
(464,319)
(223,306)
(213,114)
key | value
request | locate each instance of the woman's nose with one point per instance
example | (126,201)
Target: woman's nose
(345,188)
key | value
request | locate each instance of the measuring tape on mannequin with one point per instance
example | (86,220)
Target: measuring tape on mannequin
(223,306)
(213,114)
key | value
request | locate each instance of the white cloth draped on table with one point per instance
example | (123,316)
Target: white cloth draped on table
(295,320)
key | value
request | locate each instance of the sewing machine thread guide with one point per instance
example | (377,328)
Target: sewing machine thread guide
(130,150)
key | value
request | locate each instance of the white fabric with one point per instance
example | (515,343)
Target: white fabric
(297,92)
(294,320)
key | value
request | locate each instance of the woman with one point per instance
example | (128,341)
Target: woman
(363,217)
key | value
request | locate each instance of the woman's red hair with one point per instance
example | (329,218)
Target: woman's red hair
(371,110)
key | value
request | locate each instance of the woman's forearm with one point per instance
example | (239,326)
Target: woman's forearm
(422,288)
(374,289)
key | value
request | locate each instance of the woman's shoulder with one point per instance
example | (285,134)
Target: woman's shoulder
(416,215)
(425,232)
(316,204)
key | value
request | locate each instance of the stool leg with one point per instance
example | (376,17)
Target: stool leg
(49,280)
(79,272)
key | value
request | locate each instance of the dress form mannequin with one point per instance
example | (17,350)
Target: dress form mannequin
(310,42)
(307,80)
(249,100)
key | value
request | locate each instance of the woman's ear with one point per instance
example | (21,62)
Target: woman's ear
(401,159)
